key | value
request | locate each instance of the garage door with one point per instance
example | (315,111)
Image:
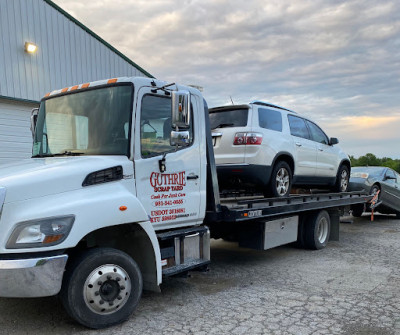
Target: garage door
(15,134)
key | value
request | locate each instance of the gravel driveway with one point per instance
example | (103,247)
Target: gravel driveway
(351,287)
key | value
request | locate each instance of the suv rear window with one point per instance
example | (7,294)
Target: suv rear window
(229,118)
(270,119)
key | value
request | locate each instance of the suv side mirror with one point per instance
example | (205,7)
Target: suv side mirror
(34,116)
(389,177)
(180,109)
(333,141)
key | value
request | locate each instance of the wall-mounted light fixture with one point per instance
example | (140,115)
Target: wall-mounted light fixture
(30,47)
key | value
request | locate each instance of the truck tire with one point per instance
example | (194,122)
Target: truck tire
(317,229)
(101,287)
(281,180)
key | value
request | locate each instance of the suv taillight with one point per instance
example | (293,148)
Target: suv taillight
(247,139)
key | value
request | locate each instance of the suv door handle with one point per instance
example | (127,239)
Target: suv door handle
(320,149)
(192,177)
(298,144)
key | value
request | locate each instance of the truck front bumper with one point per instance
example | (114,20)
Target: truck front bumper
(32,277)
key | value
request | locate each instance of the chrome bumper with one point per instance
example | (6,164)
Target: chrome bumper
(33,277)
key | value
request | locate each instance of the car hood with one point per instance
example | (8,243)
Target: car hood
(37,177)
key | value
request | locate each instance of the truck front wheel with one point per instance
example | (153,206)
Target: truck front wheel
(101,287)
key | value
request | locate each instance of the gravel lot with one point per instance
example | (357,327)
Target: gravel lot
(351,287)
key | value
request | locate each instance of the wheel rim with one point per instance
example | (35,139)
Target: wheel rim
(282,181)
(344,180)
(322,230)
(107,289)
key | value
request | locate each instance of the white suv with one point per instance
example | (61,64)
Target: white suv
(273,148)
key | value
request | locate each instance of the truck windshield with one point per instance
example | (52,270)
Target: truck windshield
(93,122)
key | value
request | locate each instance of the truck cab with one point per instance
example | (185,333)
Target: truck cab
(105,171)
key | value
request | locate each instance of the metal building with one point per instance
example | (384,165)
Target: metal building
(66,53)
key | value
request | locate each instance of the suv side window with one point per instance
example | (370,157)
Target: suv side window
(270,119)
(298,127)
(317,134)
(156,126)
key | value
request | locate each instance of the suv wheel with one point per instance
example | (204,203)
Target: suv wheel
(281,180)
(342,179)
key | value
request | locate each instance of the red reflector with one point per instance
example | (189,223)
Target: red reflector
(238,170)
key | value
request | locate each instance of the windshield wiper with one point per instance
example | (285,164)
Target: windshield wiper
(42,155)
(222,125)
(68,153)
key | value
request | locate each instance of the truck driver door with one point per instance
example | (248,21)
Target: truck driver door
(171,197)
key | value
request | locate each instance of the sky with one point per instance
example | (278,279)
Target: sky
(336,62)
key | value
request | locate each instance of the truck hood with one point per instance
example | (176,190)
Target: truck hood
(37,177)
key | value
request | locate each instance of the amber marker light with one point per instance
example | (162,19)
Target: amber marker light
(52,238)
(112,81)
(85,85)
(123,208)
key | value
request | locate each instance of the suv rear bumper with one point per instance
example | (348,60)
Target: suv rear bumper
(233,175)
(32,277)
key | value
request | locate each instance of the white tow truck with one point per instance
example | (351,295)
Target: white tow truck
(121,191)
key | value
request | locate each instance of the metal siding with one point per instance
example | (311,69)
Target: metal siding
(3,75)
(74,63)
(66,54)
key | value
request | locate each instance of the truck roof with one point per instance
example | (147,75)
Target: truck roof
(140,81)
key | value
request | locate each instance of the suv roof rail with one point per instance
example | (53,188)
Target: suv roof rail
(268,104)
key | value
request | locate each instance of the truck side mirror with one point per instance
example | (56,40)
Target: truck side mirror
(180,109)
(333,141)
(34,116)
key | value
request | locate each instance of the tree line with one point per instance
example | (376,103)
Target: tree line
(371,160)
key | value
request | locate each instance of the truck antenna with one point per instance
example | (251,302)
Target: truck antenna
(231,99)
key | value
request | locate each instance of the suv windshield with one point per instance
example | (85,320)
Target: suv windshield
(94,122)
(228,118)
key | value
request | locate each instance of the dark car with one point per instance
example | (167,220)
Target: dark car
(373,179)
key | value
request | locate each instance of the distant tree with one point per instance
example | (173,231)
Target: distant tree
(371,160)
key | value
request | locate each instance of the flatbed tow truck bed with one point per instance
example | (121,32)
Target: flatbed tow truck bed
(263,223)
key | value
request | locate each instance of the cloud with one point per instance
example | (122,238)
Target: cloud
(330,60)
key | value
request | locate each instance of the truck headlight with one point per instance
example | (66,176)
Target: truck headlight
(41,232)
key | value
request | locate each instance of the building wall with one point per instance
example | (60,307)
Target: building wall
(67,53)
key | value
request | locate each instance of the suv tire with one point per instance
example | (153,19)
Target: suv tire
(342,179)
(281,180)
